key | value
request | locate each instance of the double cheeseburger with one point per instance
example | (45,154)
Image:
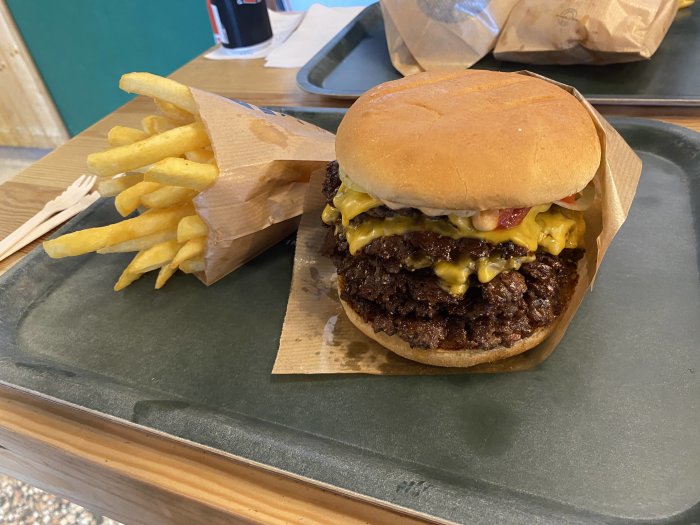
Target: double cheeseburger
(455,212)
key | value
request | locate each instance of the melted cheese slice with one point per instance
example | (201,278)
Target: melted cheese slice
(352,203)
(454,276)
(550,228)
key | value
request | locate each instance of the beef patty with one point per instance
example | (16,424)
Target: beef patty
(411,303)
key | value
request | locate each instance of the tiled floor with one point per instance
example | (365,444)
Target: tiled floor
(21,504)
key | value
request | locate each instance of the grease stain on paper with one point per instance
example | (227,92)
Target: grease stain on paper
(267,132)
(329,331)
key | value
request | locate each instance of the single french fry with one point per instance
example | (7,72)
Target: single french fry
(155,256)
(123,135)
(190,228)
(115,185)
(203,155)
(154,124)
(170,143)
(192,249)
(173,112)
(193,265)
(167,196)
(140,243)
(183,173)
(127,277)
(165,273)
(93,239)
(155,86)
(130,199)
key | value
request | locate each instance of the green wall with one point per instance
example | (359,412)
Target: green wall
(82,47)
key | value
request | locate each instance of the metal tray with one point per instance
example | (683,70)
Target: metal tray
(357,59)
(606,430)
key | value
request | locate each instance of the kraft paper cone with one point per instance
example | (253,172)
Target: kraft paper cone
(265,160)
(317,338)
(423,35)
(583,32)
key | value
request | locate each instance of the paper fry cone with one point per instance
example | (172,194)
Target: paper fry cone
(265,160)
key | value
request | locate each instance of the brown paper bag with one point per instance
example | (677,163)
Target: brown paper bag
(317,338)
(584,32)
(265,160)
(423,35)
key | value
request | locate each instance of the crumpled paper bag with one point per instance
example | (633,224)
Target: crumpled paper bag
(265,160)
(317,337)
(423,35)
(584,32)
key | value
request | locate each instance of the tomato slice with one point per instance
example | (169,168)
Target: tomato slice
(511,217)
(571,199)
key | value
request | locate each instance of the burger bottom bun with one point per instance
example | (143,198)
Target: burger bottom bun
(449,358)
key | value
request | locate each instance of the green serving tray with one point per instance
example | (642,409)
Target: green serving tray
(605,430)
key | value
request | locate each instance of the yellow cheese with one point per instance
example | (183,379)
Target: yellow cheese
(551,230)
(548,227)
(455,272)
(330,214)
(352,203)
(454,276)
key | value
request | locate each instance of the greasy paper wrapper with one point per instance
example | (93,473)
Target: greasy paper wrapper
(584,32)
(423,35)
(265,160)
(317,337)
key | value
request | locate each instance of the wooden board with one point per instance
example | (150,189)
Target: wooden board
(28,116)
(139,477)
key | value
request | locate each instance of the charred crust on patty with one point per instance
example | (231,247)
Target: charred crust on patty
(411,304)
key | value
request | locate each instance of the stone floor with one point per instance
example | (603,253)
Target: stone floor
(22,504)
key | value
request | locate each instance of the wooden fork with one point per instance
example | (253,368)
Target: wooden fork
(65,200)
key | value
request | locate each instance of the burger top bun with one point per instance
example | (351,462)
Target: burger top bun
(468,140)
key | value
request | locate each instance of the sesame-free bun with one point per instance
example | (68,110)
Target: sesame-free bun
(448,358)
(468,140)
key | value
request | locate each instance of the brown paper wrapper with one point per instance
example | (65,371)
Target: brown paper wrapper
(265,160)
(317,338)
(423,35)
(584,32)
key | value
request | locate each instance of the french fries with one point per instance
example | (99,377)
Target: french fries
(170,143)
(192,266)
(190,228)
(165,273)
(130,199)
(167,196)
(140,243)
(154,124)
(127,277)
(182,172)
(155,257)
(93,239)
(123,135)
(115,185)
(161,88)
(173,112)
(204,155)
(159,170)
(192,249)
